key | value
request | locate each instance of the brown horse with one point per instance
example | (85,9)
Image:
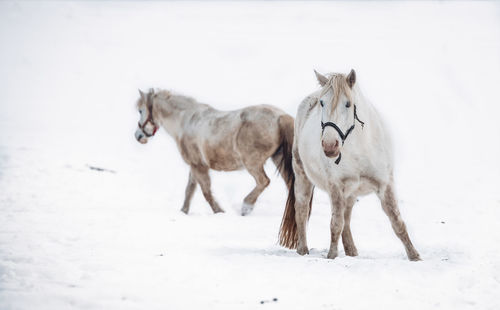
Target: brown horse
(221,140)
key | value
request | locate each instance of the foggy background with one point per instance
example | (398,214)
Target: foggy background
(72,237)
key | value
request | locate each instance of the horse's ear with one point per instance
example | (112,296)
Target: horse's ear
(351,78)
(321,78)
(141,93)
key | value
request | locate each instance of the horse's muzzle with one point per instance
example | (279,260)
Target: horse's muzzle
(331,149)
(141,137)
(332,154)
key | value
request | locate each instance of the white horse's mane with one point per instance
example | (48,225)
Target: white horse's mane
(175,100)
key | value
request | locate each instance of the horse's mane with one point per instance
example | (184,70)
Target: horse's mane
(174,101)
(338,83)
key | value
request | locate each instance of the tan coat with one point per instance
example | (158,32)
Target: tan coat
(221,140)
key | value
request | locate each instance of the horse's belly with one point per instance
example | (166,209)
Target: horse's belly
(222,158)
(358,186)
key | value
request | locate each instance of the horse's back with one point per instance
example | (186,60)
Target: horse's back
(234,139)
(259,134)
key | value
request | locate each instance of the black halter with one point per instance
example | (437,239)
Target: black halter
(341,134)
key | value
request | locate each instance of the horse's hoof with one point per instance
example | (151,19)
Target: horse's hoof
(246,209)
(414,258)
(351,252)
(332,254)
(355,253)
(185,211)
(219,211)
(302,250)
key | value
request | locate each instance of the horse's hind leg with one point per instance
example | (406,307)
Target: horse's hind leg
(303,190)
(190,188)
(347,241)
(390,206)
(203,178)
(262,181)
(303,195)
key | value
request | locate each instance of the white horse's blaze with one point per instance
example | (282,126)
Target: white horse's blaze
(366,166)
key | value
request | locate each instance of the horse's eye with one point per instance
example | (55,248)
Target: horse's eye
(348,104)
(321,102)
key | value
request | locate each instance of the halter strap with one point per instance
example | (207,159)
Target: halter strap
(149,119)
(339,131)
(144,125)
(341,134)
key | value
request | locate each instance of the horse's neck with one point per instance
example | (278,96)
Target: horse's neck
(173,124)
(367,113)
(174,111)
(373,139)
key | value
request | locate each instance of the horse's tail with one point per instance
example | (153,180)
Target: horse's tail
(283,160)
(288,228)
(283,156)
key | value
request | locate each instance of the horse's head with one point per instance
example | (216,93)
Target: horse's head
(338,110)
(146,126)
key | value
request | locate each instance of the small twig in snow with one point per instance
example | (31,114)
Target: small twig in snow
(100,169)
(267,301)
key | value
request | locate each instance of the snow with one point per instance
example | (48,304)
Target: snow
(76,238)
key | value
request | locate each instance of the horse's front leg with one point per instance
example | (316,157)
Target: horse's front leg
(203,178)
(190,188)
(337,222)
(347,241)
(390,206)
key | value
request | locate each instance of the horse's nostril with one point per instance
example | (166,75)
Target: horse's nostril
(330,146)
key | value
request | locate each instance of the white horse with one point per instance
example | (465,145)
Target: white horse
(221,140)
(341,146)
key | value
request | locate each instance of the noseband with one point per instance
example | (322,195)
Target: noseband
(148,120)
(339,131)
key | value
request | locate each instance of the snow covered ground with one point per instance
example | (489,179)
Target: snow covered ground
(76,238)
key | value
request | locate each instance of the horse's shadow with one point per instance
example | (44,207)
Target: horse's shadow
(269,252)
(275,251)
(435,255)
